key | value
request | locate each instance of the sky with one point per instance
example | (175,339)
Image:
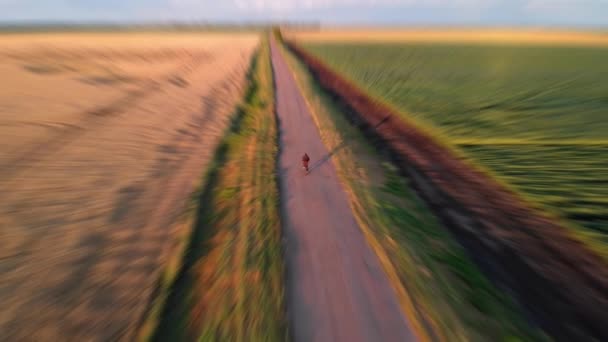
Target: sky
(560,13)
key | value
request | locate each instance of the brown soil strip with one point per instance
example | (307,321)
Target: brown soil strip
(561,283)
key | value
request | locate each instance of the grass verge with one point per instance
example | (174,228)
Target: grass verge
(440,288)
(230,284)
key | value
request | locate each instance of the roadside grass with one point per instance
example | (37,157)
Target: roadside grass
(174,265)
(230,286)
(444,294)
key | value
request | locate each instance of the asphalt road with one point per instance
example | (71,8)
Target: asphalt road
(336,288)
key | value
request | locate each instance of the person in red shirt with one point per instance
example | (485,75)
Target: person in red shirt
(305,160)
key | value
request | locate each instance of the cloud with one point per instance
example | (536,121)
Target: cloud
(297,5)
(568,7)
(568,12)
(564,6)
(506,12)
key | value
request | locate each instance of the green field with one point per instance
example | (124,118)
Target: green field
(535,116)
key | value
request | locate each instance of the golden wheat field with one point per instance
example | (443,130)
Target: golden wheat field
(526,36)
(102,139)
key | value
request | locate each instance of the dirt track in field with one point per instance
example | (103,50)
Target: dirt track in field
(102,143)
(336,288)
(559,280)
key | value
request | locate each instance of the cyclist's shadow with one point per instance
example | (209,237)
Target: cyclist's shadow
(337,148)
(326,157)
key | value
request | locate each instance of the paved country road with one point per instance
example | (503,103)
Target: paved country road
(336,288)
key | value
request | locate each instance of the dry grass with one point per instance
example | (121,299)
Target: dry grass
(126,40)
(231,286)
(484,36)
(103,138)
(50,81)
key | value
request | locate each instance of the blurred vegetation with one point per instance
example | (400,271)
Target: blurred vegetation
(231,285)
(571,180)
(535,116)
(449,296)
(531,93)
